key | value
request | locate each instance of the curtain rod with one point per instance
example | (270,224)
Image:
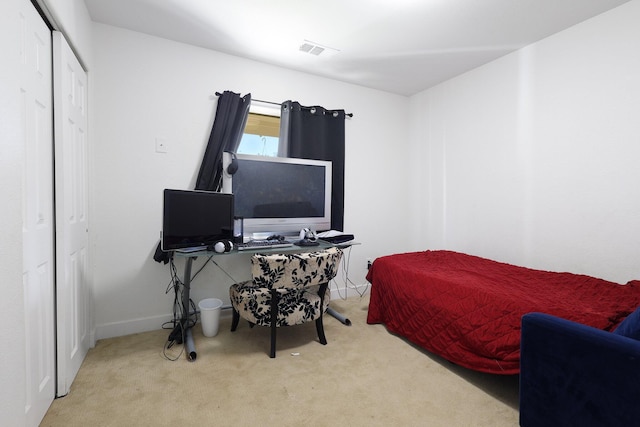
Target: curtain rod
(279,103)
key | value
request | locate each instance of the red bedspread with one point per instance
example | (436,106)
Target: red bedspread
(467,309)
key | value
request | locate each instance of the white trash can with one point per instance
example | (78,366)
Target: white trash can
(210,316)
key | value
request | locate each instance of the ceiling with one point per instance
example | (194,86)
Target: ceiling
(398,46)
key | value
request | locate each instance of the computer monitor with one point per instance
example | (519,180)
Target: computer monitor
(279,195)
(195,218)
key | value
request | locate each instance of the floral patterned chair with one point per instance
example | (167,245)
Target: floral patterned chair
(286,289)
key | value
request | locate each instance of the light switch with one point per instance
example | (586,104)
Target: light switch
(161,145)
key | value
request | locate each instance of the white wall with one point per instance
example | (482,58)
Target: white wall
(71,17)
(533,158)
(145,88)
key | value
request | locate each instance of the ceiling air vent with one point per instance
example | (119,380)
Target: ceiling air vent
(315,48)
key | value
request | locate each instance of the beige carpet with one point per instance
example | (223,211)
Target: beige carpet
(364,376)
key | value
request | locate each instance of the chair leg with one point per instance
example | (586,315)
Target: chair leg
(272,351)
(319,324)
(320,329)
(273,322)
(235,320)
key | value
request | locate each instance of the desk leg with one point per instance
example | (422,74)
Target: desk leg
(190,346)
(339,316)
(186,308)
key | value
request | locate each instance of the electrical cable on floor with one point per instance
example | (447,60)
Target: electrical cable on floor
(169,344)
(346,262)
(345,274)
(177,286)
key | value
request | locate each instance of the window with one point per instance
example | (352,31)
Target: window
(262,133)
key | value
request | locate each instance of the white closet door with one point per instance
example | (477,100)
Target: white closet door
(38,219)
(73,289)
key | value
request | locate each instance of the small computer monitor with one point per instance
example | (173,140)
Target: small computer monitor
(195,218)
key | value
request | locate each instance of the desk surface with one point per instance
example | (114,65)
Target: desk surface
(322,244)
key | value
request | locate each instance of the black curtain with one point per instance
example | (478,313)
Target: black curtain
(226,133)
(317,133)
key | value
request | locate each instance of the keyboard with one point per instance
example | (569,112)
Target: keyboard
(264,244)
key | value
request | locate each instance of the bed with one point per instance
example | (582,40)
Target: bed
(468,309)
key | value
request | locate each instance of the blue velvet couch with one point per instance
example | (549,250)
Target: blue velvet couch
(575,375)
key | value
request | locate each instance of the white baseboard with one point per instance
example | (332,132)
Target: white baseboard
(153,323)
(136,326)
(350,291)
(128,327)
